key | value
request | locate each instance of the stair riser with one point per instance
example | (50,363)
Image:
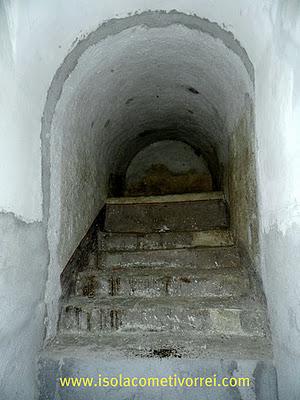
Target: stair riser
(167,240)
(194,216)
(217,285)
(206,258)
(204,321)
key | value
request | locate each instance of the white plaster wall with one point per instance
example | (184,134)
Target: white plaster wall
(23,262)
(34,51)
(35,38)
(278,124)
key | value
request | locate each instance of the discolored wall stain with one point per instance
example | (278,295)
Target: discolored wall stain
(167,167)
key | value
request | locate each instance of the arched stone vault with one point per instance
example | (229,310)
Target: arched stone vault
(130,83)
(148,137)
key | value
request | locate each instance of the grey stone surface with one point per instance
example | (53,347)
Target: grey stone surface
(167,198)
(163,240)
(206,317)
(265,378)
(173,282)
(119,345)
(94,363)
(201,289)
(159,217)
(167,166)
(202,258)
(165,294)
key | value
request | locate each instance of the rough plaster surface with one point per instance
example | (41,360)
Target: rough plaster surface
(278,125)
(23,258)
(283,250)
(27,69)
(31,52)
(169,157)
(176,156)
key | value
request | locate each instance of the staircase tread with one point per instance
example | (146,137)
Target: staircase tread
(172,198)
(160,214)
(180,250)
(166,272)
(159,345)
(114,241)
(232,247)
(221,229)
(241,304)
(200,249)
(210,258)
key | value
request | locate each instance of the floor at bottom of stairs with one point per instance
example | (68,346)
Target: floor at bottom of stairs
(161,345)
(157,355)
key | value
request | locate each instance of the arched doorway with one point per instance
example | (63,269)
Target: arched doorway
(130,83)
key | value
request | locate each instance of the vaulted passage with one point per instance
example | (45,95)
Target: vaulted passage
(132,83)
(150,119)
(166,167)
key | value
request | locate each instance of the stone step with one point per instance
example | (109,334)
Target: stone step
(156,345)
(149,282)
(206,317)
(166,213)
(201,258)
(163,240)
(157,355)
(169,198)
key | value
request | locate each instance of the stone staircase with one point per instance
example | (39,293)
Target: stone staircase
(159,288)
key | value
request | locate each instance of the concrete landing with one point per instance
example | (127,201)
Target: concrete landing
(157,356)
